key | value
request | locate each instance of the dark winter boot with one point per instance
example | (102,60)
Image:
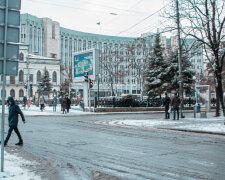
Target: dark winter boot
(20,143)
(5,143)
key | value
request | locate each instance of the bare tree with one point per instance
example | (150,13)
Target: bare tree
(204,20)
(67,75)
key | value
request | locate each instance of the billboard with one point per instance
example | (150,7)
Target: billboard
(203,97)
(85,61)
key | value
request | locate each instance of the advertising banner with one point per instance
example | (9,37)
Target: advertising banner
(203,97)
(85,61)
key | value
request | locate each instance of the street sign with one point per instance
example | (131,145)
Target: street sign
(9,51)
(12,4)
(13,17)
(11,68)
(12,35)
(12,51)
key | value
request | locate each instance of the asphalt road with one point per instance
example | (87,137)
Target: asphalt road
(78,149)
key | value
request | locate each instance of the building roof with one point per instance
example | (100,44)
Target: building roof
(96,37)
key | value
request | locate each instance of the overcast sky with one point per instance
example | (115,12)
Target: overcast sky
(133,17)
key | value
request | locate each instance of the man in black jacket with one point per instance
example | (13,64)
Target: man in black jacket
(166,103)
(14,111)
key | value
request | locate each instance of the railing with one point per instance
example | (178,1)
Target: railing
(157,102)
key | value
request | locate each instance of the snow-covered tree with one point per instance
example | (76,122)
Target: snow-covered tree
(172,72)
(45,86)
(155,76)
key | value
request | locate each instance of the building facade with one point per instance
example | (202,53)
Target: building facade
(117,74)
(30,71)
(122,60)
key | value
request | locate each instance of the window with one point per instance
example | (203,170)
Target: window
(31,78)
(53,31)
(21,56)
(38,76)
(12,79)
(54,77)
(12,93)
(21,76)
(21,93)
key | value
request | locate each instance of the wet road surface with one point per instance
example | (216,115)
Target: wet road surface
(78,149)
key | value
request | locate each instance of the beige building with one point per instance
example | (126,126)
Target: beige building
(30,71)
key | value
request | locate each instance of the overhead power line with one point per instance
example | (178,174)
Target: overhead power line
(142,20)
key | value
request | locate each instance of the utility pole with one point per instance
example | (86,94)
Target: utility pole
(28,77)
(3,85)
(180,61)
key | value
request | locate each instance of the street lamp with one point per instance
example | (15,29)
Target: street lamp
(99,76)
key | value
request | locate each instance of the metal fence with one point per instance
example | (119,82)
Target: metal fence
(157,102)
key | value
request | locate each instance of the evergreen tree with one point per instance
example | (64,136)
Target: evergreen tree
(45,86)
(155,75)
(173,73)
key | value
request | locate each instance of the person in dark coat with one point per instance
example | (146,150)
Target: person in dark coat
(68,103)
(54,103)
(42,103)
(175,103)
(166,103)
(63,105)
(14,111)
(24,101)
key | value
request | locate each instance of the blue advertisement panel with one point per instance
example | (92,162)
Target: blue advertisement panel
(203,97)
(83,63)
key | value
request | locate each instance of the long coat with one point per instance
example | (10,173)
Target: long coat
(63,104)
(68,103)
(14,111)
(166,101)
(175,102)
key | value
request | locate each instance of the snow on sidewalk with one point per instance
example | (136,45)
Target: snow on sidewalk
(14,168)
(48,111)
(212,125)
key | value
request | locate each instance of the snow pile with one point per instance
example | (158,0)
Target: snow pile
(212,125)
(14,168)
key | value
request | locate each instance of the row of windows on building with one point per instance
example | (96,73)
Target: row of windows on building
(12,93)
(31,79)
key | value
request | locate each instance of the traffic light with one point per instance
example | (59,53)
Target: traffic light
(90,83)
(86,76)
(31,87)
(25,86)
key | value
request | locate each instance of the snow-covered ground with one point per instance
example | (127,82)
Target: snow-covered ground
(14,168)
(35,111)
(211,125)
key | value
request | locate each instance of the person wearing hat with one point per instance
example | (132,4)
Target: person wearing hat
(14,111)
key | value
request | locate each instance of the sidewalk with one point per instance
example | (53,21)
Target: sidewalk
(48,111)
(210,125)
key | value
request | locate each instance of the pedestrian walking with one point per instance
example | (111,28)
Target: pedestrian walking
(54,103)
(24,101)
(175,103)
(42,103)
(68,103)
(14,111)
(166,103)
(63,105)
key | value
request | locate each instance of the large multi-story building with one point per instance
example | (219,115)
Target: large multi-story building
(121,63)
(46,38)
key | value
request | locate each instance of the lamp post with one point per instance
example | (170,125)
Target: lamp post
(99,75)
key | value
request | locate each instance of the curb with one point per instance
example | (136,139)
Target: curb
(194,131)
